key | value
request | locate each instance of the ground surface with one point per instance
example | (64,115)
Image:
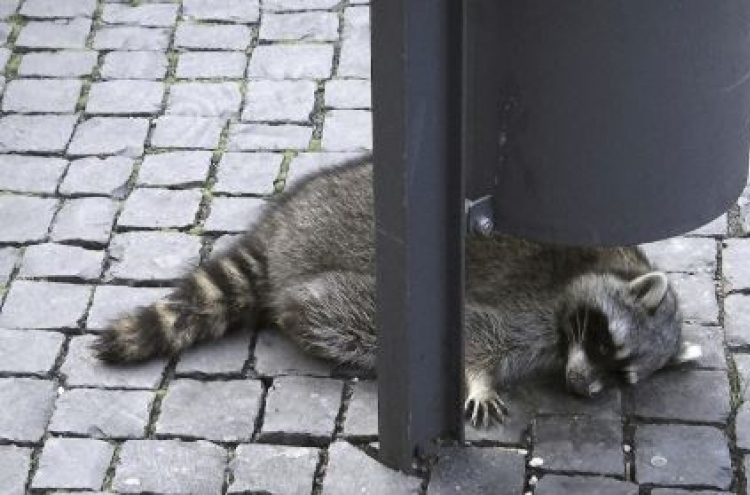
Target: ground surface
(138,137)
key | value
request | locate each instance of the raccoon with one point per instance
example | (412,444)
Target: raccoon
(307,266)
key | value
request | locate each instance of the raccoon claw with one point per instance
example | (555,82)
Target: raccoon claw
(481,408)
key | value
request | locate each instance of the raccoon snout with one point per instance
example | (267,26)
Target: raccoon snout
(579,374)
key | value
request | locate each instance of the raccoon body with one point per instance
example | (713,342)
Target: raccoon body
(307,265)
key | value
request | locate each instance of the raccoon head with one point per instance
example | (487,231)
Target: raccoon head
(613,327)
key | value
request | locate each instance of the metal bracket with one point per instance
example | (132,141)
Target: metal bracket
(480,218)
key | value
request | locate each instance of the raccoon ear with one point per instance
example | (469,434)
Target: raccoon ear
(688,352)
(649,289)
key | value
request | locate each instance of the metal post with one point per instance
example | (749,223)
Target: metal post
(419,221)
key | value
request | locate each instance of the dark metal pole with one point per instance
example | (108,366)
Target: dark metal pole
(419,222)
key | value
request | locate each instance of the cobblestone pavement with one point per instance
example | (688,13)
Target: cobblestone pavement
(138,137)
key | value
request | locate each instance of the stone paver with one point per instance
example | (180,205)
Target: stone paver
(98,176)
(347,130)
(111,301)
(134,65)
(131,38)
(27,407)
(27,219)
(152,255)
(683,254)
(204,99)
(70,33)
(31,174)
(212,36)
(475,471)
(14,467)
(102,413)
(145,15)
(191,132)
(348,93)
(697,297)
(277,355)
(40,95)
(222,411)
(291,61)
(35,133)
(352,471)
(289,398)
(583,485)
(226,356)
(170,466)
(737,320)
(109,136)
(272,469)
(73,463)
(60,261)
(125,97)
(233,214)
(248,173)
(212,64)
(222,10)
(285,101)
(56,9)
(64,305)
(159,208)
(682,456)
(304,26)
(86,220)
(176,168)
(63,63)
(736,268)
(29,351)
(249,137)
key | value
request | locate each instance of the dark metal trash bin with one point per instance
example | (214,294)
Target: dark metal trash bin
(581,121)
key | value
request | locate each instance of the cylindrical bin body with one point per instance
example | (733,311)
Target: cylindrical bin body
(606,121)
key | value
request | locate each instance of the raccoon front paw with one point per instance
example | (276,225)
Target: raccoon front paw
(484,405)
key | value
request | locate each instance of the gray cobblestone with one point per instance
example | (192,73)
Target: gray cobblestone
(233,214)
(69,33)
(135,65)
(293,5)
(84,220)
(742,363)
(30,174)
(82,369)
(176,168)
(8,260)
(352,471)
(348,93)
(102,413)
(29,351)
(307,163)
(57,260)
(711,340)
(8,8)
(152,255)
(254,137)
(694,455)
(355,47)
(170,466)
(125,97)
(110,136)
(27,407)
(248,173)
(204,99)
(160,208)
(290,101)
(736,264)
(276,355)
(225,356)
(579,444)
(715,228)
(222,10)
(737,320)
(73,463)
(111,301)
(583,485)
(674,491)
(64,305)
(222,410)
(55,8)
(197,65)
(212,37)
(347,130)
(98,176)
(38,95)
(303,26)
(40,133)
(362,414)
(521,406)
(683,254)
(131,38)
(177,131)
(684,395)
(145,15)
(742,426)
(744,204)
(272,469)
(697,297)
(475,471)
(62,63)
(290,398)
(25,219)
(224,243)
(14,468)
(291,61)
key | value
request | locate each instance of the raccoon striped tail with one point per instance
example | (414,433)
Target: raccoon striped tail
(206,302)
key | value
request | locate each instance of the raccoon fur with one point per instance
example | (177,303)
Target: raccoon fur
(307,265)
